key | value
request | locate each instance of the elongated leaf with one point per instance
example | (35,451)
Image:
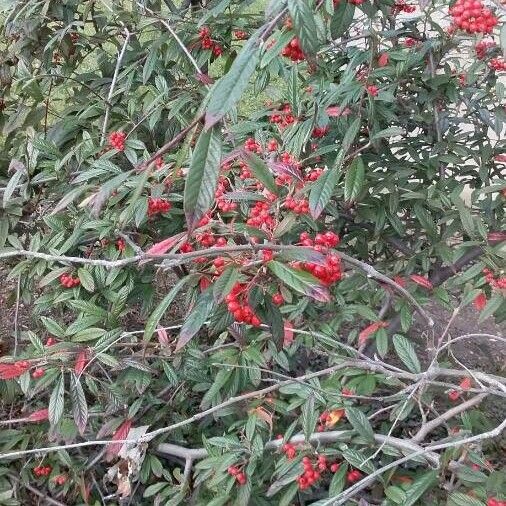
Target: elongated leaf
(301,281)
(492,306)
(56,401)
(224,283)
(261,171)
(406,352)
(466,217)
(202,177)
(304,25)
(342,18)
(79,404)
(357,459)
(228,90)
(388,132)
(461,499)
(194,321)
(360,423)
(309,417)
(86,279)
(419,487)
(157,314)
(354,179)
(322,190)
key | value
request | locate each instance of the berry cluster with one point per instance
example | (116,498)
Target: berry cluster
(117,140)
(283,116)
(120,244)
(272,145)
(300,206)
(319,132)
(260,216)
(60,479)
(482,47)
(239,475)
(372,89)
(314,469)
(492,501)
(252,145)
(38,373)
(353,476)
(237,303)
(465,384)
(42,470)
(402,6)
(313,174)
(472,16)
(207,43)
(289,449)
(321,241)
(410,42)
(293,50)
(498,282)
(497,64)
(328,419)
(222,203)
(278,299)
(68,281)
(156,206)
(240,34)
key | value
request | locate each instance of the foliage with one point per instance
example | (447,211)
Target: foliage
(200,203)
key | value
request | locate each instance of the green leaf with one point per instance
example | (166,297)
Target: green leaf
(396,494)
(360,423)
(304,25)
(502,37)
(342,19)
(338,480)
(202,177)
(354,179)
(261,171)
(86,279)
(322,190)
(309,417)
(358,459)
(301,281)
(197,317)
(225,282)
(466,217)
(388,132)
(460,499)
(419,487)
(492,306)
(56,401)
(52,326)
(228,90)
(79,404)
(382,342)
(13,181)
(157,314)
(406,352)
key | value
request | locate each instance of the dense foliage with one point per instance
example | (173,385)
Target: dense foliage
(202,202)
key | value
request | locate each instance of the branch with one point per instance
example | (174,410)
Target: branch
(113,84)
(38,493)
(433,424)
(170,144)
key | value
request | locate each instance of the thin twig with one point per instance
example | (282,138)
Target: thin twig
(113,84)
(38,493)
(16,318)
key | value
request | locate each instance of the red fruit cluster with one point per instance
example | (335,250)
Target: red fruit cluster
(222,203)
(410,42)
(492,501)
(402,6)
(353,476)
(74,37)
(260,215)
(237,303)
(289,450)
(68,281)
(313,174)
(356,2)
(497,64)
(272,145)
(159,162)
(314,469)
(329,273)
(120,244)
(245,170)
(239,476)
(207,43)
(372,89)
(298,206)
(327,240)
(38,373)
(186,247)
(117,140)
(240,34)
(60,479)
(472,16)
(42,470)
(293,50)
(283,116)
(482,47)
(278,299)
(319,132)
(252,145)
(156,206)
(495,282)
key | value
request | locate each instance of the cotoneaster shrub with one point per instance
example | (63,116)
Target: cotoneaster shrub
(201,203)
